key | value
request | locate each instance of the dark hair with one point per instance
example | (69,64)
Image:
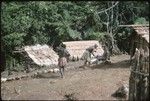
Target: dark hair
(63,45)
(95,45)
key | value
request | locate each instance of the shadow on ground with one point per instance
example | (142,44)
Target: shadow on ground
(120,64)
(48,75)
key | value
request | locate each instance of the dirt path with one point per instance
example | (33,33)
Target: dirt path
(96,83)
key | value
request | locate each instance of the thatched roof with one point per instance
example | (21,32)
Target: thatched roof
(142,30)
(42,54)
(77,48)
(146,37)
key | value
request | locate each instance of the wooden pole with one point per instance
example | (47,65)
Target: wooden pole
(146,25)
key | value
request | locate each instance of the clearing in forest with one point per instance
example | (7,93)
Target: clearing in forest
(95,83)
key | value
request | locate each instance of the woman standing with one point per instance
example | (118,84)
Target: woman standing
(63,56)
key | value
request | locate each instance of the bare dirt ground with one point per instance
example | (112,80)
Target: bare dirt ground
(92,83)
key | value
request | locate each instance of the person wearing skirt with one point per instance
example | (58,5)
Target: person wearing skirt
(62,60)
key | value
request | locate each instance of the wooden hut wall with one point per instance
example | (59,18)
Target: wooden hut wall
(137,42)
(134,42)
(138,82)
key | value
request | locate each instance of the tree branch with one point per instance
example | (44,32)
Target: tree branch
(109,8)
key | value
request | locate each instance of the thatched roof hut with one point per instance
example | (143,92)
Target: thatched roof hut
(36,56)
(77,48)
(140,65)
(139,37)
(42,55)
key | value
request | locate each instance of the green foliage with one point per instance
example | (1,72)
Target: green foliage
(131,10)
(50,22)
(96,35)
(141,21)
(14,39)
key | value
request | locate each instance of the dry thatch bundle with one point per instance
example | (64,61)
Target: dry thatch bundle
(143,31)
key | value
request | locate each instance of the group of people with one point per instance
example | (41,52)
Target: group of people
(64,56)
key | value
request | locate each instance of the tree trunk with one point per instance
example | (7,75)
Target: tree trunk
(114,47)
(3,61)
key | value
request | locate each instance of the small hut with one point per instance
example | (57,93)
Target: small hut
(139,77)
(77,48)
(42,55)
(139,38)
(38,56)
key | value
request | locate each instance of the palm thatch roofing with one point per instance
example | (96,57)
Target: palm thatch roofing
(142,30)
(77,48)
(42,55)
